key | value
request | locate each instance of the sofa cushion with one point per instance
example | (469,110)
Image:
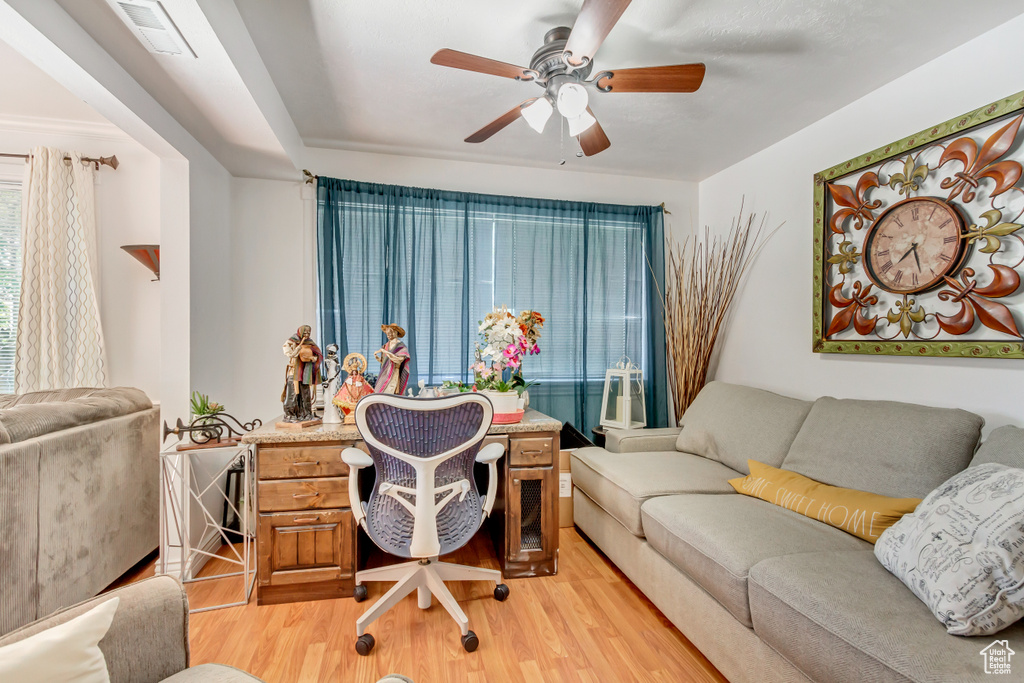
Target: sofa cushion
(27,416)
(621,482)
(841,617)
(731,423)
(893,449)
(715,540)
(1004,446)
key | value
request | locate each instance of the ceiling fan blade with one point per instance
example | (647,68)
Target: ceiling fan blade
(594,23)
(678,78)
(468,62)
(500,122)
(593,140)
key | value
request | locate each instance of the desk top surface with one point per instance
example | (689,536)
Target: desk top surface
(533,421)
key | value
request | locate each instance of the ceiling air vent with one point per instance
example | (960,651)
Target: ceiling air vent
(151,23)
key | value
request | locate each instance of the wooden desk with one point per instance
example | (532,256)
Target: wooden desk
(307,541)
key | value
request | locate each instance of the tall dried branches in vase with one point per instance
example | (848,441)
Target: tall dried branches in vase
(702,278)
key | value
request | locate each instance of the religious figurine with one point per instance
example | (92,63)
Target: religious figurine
(394,362)
(332,369)
(353,388)
(301,376)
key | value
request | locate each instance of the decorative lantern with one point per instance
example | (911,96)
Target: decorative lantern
(623,405)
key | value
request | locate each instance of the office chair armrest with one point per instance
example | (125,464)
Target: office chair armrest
(356,460)
(490,454)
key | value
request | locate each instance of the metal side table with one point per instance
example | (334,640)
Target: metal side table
(193,483)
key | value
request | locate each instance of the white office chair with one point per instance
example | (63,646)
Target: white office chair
(424,501)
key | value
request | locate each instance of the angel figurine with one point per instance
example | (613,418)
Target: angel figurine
(353,388)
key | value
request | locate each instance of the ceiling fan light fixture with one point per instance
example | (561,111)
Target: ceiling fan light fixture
(581,123)
(572,100)
(537,113)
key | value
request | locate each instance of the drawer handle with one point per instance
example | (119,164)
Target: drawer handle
(305,520)
(305,495)
(308,462)
(524,452)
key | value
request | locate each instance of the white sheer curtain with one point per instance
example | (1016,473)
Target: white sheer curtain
(60,340)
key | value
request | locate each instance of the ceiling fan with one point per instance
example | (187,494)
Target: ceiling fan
(562,65)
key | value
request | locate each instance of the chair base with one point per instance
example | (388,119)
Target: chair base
(427,578)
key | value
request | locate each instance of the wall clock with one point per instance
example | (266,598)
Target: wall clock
(918,247)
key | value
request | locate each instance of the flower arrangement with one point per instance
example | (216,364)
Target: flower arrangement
(507,338)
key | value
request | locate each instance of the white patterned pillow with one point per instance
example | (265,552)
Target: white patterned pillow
(962,550)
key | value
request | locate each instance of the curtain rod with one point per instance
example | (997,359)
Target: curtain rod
(309,179)
(110,161)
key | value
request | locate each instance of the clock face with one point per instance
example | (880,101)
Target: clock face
(913,244)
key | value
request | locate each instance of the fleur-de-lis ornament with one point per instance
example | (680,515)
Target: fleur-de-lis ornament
(975,303)
(979,164)
(854,202)
(846,258)
(851,309)
(992,231)
(911,178)
(905,316)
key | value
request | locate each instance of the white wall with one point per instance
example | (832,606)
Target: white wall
(769,341)
(272,237)
(127,212)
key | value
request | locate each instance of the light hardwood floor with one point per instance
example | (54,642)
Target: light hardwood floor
(587,624)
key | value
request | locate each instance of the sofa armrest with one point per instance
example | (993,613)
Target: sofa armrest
(637,440)
(148,639)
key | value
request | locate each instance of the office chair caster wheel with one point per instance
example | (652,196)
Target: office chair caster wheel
(500,592)
(470,642)
(364,644)
(359,594)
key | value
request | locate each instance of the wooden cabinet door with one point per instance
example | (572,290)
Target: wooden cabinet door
(531,523)
(305,547)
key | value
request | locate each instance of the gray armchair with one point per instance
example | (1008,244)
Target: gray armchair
(148,639)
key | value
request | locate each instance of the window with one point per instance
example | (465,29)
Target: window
(436,262)
(10,279)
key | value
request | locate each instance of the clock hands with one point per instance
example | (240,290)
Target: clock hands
(913,249)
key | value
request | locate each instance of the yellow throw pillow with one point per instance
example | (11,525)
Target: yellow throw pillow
(865,515)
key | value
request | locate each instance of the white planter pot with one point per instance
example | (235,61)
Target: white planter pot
(504,402)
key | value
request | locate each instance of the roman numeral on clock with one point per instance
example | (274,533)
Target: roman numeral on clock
(913,279)
(914,212)
(896,219)
(950,240)
(883,252)
(898,277)
(886,266)
(946,257)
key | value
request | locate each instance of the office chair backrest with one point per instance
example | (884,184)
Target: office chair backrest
(419,447)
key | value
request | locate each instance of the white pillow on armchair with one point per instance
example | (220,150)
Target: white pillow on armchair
(68,653)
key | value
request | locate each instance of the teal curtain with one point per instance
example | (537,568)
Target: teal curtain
(435,262)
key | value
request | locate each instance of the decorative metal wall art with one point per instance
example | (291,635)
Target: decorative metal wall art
(918,247)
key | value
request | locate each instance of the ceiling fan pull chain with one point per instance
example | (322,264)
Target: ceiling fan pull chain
(561,141)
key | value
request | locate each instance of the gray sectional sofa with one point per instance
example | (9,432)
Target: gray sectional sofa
(765,593)
(79,495)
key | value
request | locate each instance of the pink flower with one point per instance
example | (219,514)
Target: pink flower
(512,351)
(535,350)
(513,363)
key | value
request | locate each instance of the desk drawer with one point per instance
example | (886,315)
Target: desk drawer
(301,462)
(531,452)
(303,494)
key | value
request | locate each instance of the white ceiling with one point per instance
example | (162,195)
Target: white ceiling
(29,96)
(355,74)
